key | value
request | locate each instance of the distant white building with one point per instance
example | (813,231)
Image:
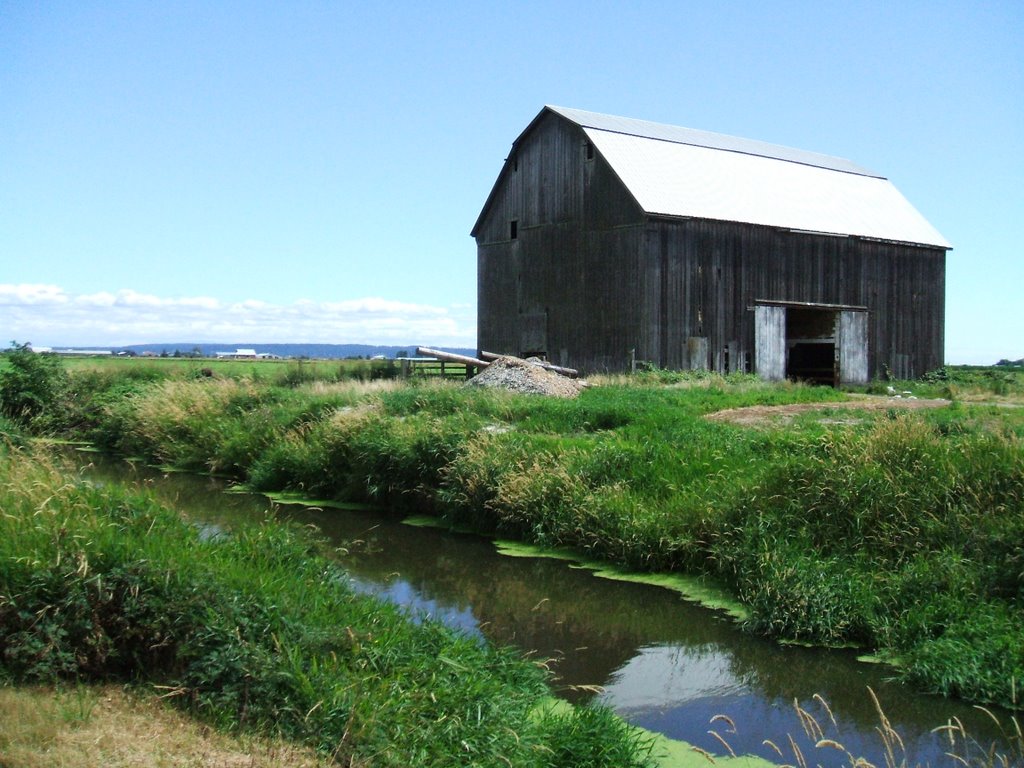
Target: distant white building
(246,354)
(238,354)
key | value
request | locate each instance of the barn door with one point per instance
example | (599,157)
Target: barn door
(770,342)
(852,347)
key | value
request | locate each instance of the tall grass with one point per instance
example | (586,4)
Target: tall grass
(900,533)
(900,538)
(259,631)
(820,741)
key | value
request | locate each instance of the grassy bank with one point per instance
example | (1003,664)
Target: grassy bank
(900,532)
(107,725)
(257,631)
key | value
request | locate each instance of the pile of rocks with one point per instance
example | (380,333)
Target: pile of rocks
(524,376)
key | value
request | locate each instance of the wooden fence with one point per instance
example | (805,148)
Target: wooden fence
(432,366)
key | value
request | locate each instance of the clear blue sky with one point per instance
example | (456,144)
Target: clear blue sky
(199,171)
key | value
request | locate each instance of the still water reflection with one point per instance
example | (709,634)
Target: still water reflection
(662,663)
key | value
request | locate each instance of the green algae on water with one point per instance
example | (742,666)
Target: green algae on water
(510,548)
(290,497)
(692,588)
(429,521)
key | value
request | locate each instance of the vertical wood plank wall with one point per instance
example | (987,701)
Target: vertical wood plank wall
(852,345)
(717,270)
(770,342)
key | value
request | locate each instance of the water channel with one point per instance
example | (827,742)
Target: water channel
(661,662)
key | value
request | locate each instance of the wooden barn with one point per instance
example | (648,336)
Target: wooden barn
(607,242)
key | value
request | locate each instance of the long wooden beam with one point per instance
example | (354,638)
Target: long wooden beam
(489,357)
(572,373)
(450,357)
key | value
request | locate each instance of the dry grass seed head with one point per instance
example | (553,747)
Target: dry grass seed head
(821,700)
(951,731)
(707,755)
(797,754)
(725,719)
(831,744)
(878,709)
(723,742)
(810,725)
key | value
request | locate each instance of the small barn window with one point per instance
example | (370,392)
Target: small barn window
(513,229)
(588,150)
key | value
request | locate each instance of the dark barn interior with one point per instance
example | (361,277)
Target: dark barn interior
(811,345)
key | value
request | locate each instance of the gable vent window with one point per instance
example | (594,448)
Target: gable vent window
(588,150)
(513,229)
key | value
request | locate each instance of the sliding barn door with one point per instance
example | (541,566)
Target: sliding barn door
(770,342)
(852,347)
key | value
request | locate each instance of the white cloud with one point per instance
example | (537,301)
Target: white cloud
(49,315)
(206,302)
(101,299)
(130,298)
(249,305)
(31,293)
(381,306)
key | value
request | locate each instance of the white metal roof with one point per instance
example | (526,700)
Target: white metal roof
(680,135)
(675,171)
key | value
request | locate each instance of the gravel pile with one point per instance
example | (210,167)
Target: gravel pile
(518,375)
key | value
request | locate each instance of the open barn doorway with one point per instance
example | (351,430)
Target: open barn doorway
(820,343)
(811,345)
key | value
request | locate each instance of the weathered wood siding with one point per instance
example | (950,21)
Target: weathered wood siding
(852,346)
(770,342)
(704,277)
(609,284)
(574,259)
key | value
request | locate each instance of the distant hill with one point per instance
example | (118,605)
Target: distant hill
(316,351)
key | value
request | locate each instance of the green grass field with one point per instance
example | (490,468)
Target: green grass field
(185,366)
(899,531)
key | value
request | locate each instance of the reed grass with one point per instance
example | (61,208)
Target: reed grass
(820,742)
(901,533)
(258,631)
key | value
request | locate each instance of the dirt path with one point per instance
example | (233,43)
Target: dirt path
(779,415)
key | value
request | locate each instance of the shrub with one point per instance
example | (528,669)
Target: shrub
(32,388)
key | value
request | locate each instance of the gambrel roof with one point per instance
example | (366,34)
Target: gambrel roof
(675,171)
